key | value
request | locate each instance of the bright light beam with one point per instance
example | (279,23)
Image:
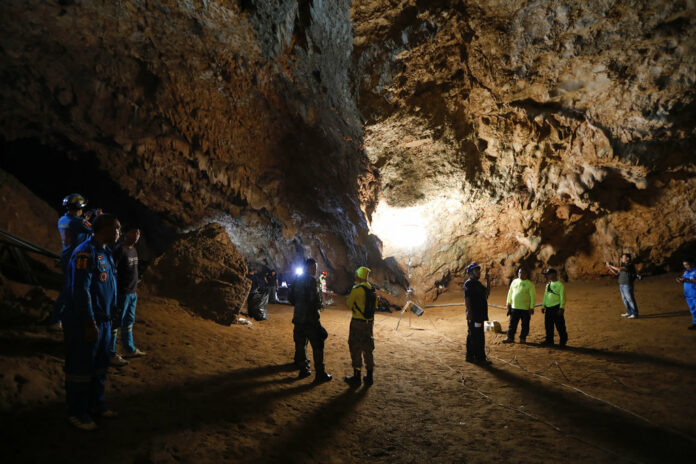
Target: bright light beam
(400,228)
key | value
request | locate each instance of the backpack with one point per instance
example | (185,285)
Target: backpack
(370,302)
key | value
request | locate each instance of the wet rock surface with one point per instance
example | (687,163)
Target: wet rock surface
(205,271)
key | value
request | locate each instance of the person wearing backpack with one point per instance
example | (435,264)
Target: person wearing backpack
(361,301)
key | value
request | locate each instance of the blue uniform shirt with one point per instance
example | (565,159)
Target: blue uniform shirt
(690,288)
(73,231)
(92,283)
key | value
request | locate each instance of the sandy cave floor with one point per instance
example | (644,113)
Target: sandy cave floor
(207,393)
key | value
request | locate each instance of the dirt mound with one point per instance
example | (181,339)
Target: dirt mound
(204,270)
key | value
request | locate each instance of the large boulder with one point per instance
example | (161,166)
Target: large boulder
(203,270)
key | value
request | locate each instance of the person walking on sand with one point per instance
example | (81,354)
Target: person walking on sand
(476,300)
(553,308)
(689,281)
(520,305)
(362,302)
(627,276)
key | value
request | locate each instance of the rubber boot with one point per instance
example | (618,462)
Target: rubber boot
(368,378)
(353,380)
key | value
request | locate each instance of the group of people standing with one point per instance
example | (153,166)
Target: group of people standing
(306,296)
(520,305)
(521,299)
(97,300)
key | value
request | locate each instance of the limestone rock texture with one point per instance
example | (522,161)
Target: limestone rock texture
(545,133)
(205,271)
(227,111)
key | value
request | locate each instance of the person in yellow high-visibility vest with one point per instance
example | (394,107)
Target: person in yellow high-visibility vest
(361,301)
(554,308)
(520,305)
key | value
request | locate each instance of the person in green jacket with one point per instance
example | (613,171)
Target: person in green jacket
(520,305)
(554,308)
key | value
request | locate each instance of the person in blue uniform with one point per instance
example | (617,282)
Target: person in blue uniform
(689,281)
(86,323)
(73,229)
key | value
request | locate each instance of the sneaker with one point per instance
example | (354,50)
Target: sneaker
(135,354)
(118,361)
(523,340)
(86,424)
(625,315)
(546,343)
(484,362)
(368,379)
(509,340)
(633,316)
(304,373)
(692,327)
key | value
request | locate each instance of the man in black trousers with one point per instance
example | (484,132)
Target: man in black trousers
(476,299)
(304,295)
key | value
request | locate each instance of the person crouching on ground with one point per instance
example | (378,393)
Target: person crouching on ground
(87,323)
(304,295)
(520,305)
(361,342)
(126,262)
(689,281)
(554,309)
(476,299)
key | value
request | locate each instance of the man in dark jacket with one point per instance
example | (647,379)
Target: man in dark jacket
(476,299)
(304,295)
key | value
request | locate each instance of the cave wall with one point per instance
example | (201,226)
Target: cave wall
(202,110)
(546,133)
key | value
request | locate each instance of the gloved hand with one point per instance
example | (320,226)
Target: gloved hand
(561,311)
(543,309)
(531,312)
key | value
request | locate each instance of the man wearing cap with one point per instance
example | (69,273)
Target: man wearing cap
(520,305)
(476,299)
(361,302)
(554,308)
(304,295)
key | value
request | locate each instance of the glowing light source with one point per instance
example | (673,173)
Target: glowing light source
(400,227)
(299,270)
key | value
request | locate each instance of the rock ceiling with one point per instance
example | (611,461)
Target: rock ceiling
(542,132)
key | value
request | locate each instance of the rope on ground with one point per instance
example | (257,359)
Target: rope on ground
(517,365)
(462,379)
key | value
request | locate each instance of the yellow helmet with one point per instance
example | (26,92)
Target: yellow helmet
(362,273)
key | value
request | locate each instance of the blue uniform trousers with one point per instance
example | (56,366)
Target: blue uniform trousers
(124,319)
(85,369)
(691,301)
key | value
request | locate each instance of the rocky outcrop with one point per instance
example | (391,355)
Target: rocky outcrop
(205,271)
(548,133)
